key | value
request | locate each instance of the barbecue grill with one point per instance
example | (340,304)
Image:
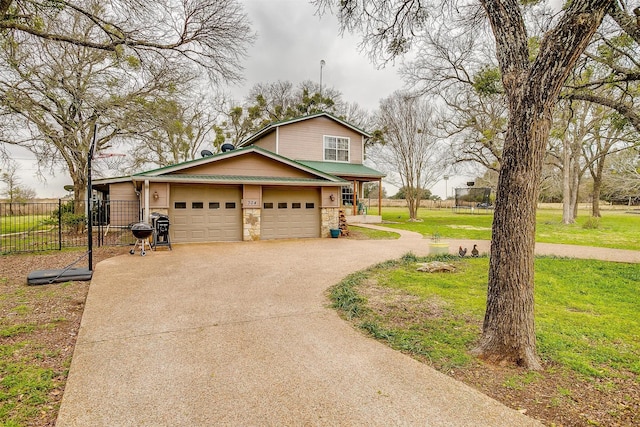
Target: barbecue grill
(160,224)
(141,231)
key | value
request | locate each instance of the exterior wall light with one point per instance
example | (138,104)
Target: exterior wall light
(156,196)
(332,197)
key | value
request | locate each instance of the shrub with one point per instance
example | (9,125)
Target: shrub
(592,223)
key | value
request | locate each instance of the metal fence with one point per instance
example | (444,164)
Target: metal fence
(29,227)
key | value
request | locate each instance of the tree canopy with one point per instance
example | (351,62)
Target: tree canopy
(212,34)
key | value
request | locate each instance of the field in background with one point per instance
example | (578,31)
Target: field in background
(618,229)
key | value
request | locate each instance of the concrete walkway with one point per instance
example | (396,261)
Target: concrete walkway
(240,334)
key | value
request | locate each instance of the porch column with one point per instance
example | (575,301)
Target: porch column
(355,197)
(146,201)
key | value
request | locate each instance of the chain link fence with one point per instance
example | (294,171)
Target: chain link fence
(45,226)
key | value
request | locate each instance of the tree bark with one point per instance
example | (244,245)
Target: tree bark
(567,212)
(532,91)
(509,327)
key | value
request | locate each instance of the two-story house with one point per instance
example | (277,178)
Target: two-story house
(288,180)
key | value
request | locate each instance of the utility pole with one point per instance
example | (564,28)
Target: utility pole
(322,63)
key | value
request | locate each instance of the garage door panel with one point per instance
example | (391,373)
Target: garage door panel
(290,213)
(211,213)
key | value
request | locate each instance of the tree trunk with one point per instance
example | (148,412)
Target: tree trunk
(575,188)
(595,206)
(80,197)
(509,327)
(597,187)
(567,214)
(412,204)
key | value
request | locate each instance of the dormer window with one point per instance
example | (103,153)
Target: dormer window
(336,149)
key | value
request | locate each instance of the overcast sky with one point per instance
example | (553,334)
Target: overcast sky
(291,42)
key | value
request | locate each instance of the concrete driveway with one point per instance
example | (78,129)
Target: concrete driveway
(240,334)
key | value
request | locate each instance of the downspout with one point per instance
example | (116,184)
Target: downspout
(278,140)
(146,201)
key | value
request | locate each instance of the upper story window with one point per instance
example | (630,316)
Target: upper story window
(336,149)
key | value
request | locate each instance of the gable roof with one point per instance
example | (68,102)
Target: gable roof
(169,173)
(271,127)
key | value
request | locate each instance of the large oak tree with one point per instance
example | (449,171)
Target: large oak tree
(211,34)
(532,82)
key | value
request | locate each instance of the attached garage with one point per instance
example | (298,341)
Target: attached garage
(239,195)
(205,213)
(290,213)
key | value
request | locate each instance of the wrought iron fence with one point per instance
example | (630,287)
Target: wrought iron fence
(29,227)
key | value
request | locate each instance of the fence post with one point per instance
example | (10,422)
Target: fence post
(59,224)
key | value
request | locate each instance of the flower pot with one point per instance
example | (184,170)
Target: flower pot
(335,232)
(440,248)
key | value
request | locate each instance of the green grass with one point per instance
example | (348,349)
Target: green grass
(23,387)
(616,229)
(21,223)
(372,234)
(586,313)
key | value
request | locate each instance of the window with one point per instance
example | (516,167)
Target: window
(282,205)
(197,205)
(230,205)
(296,205)
(336,149)
(347,195)
(310,205)
(268,205)
(214,205)
(180,205)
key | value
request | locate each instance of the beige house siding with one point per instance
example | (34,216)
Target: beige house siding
(122,214)
(122,191)
(247,165)
(304,140)
(325,195)
(161,189)
(251,196)
(269,142)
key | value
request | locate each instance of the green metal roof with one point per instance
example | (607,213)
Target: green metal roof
(343,169)
(239,179)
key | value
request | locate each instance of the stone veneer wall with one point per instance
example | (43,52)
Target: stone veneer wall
(329,219)
(250,224)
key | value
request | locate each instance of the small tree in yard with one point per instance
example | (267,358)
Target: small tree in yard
(14,191)
(410,154)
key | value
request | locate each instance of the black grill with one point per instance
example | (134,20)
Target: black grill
(141,231)
(160,230)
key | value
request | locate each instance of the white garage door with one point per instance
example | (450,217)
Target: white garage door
(290,212)
(205,213)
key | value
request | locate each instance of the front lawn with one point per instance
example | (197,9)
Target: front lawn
(587,326)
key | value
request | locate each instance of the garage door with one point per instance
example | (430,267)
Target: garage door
(204,213)
(290,212)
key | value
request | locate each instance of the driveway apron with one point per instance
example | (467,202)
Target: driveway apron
(240,334)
